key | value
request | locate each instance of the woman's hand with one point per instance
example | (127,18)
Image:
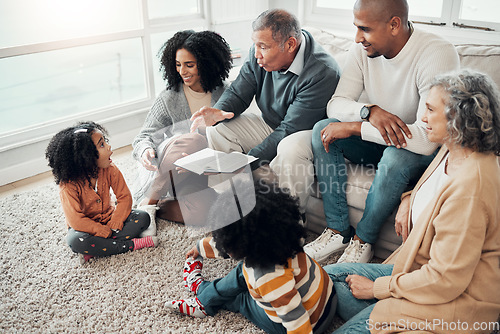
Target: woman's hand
(339,130)
(193,253)
(401,221)
(361,287)
(147,158)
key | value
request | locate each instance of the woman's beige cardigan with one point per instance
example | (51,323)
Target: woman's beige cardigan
(446,276)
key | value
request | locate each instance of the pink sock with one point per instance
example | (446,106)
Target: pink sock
(143,242)
(84,258)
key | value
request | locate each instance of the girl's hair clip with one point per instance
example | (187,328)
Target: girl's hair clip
(80,130)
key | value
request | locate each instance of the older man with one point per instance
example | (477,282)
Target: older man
(291,78)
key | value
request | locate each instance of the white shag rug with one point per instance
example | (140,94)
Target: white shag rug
(44,289)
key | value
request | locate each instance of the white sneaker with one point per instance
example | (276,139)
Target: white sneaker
(151,210)
(357,252)
(326,244)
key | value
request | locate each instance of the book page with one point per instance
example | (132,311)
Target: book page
(210,161)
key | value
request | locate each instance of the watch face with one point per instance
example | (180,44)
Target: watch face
(365,112)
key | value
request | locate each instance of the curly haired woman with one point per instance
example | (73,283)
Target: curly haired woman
(194,65)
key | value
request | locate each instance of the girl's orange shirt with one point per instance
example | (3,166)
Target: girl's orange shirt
(91,211)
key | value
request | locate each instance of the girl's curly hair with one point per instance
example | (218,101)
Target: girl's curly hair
(72,154)
(212,53)
(269,235)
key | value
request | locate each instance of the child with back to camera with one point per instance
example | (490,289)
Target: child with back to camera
(80,158)
(276,285)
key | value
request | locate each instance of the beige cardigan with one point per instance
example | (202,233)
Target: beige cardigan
(446,276)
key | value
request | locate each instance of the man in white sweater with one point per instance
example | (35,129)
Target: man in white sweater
(394,64)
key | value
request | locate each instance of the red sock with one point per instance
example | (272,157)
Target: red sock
(143,242)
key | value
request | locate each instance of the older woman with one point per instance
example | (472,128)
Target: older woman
(446,276)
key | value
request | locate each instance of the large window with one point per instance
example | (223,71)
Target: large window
(162,8)
(43,87)
(61,58)
(335,4)
(480,10)
(68,60)
(35,21)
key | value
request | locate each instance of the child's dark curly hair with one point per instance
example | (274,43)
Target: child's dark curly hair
(269,234)
(212,53)
(72,154)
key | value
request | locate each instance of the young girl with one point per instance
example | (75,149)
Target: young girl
(80,158)
(276,286)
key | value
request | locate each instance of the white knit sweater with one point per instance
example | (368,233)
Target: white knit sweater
(399,85)
(168,116)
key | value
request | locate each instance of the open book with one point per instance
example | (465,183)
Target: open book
(210,161)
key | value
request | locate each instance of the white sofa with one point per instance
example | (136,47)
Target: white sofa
(484,58)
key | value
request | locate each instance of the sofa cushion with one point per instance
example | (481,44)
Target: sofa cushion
(335,45)
(482,58)
(359,181)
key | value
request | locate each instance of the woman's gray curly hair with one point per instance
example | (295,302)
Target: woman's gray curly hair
(472,109)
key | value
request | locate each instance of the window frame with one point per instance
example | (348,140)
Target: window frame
(450,17)
(340,21)
(495,26)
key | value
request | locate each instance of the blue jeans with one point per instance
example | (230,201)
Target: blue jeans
(396,169)
(355,312)
(231,293)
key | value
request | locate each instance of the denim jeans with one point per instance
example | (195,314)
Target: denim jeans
(231,293)
(355,312)
(357,324)
(396,169)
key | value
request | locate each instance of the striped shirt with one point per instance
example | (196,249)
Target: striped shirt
(294,295)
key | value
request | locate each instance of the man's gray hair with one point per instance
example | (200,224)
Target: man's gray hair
(282,24)
(472,109)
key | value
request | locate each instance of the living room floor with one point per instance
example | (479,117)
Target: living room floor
(46,177)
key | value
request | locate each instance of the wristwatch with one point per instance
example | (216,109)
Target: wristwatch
(365,112)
